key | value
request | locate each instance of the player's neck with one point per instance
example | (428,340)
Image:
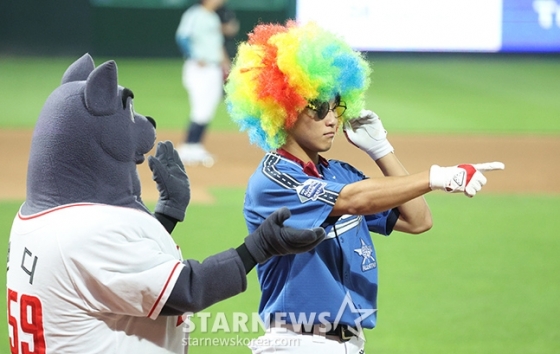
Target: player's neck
(301,154)
(310,168)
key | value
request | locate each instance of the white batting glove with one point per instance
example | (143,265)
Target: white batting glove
(467,178)
(367,133)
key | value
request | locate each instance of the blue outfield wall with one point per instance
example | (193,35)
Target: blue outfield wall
(531,26)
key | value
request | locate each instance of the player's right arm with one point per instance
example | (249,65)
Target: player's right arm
(375,195)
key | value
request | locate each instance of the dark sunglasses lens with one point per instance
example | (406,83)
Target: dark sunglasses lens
(323,110)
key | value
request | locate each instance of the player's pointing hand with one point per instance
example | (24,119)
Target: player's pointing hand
(467,178)
(272,238)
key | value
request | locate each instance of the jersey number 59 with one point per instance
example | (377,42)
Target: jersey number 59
(30,323)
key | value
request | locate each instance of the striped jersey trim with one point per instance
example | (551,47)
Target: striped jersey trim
(286,181)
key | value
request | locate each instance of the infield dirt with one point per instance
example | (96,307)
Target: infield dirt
(532,162)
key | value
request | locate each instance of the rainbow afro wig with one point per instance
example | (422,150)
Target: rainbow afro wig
(281,68)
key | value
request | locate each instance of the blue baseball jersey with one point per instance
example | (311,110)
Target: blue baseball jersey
(315,286)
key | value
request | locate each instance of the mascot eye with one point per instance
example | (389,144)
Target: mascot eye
(132,112)
(126,94)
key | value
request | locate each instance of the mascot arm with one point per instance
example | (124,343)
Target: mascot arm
(224,275)
(217,278)
(167,221)
(201,285)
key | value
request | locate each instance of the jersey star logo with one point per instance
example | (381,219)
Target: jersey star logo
(366,251)
(364,313)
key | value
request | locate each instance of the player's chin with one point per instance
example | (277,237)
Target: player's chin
(325,145)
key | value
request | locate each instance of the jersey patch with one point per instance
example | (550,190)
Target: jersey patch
(310,190)
(366,251)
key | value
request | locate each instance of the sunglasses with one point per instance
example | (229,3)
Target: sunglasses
(322,108)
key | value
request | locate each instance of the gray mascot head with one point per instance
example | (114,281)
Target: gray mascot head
(87,142)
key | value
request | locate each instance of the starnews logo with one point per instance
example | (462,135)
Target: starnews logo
(240,322)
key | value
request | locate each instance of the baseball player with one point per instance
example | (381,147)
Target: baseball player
(292,87)
(201,41)
(90,269)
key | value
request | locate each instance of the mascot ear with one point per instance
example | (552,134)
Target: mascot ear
(101,92)
(79,70)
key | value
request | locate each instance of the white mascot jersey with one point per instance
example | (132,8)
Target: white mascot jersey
(95,272)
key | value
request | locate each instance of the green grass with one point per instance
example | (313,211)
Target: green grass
(483,280)
(26,82)
(467,94)
(411,93)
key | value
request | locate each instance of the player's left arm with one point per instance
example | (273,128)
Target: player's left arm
(415,216)
(369,135)
(226,63)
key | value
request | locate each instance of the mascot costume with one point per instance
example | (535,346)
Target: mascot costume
(90,268)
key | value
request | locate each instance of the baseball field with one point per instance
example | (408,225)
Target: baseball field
(485,279)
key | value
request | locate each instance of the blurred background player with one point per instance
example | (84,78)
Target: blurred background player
(291,88)
(201,41)
(230,28)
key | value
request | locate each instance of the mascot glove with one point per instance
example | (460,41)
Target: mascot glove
(172,181)
(466,178)
(367,133)
(272,238)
